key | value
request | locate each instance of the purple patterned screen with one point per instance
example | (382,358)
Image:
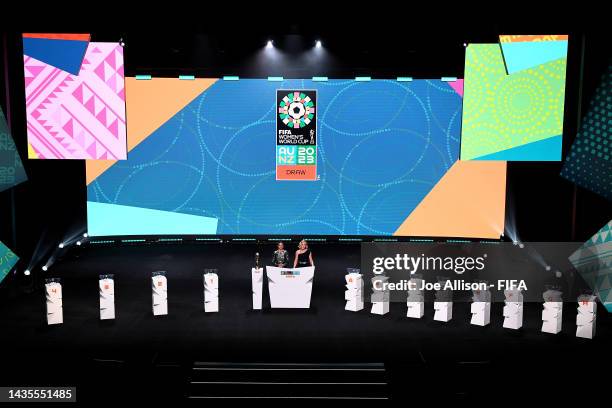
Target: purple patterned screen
(77,116)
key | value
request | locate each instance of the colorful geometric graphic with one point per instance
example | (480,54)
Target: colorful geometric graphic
(589,162)
(508,38)
(381,147)
(457,85)
(296,110)
(516,115)
(11,167)
(468,202)
(149,222)
(593,261)
(7,260)
(527,51)
(77,116)
(58,36)
(62,51)
(152,103)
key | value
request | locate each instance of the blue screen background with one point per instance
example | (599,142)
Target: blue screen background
(382,146)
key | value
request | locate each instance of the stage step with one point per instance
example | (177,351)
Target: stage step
(363,381)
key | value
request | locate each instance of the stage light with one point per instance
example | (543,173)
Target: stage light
(269,44)
(26,272)
(318,44)
(45,268)
(558,274)
(548,267)
(85,235)
(61,245)
(465,44)
(78,243)
(521,245)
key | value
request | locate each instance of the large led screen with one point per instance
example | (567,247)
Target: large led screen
(204,154)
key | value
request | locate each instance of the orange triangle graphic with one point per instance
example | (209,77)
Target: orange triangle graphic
(469,201)
(150,104)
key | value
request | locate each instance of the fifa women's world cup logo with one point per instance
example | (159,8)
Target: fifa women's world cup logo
(296,135)
(296,110)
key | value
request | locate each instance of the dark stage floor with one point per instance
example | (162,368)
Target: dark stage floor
(424,360)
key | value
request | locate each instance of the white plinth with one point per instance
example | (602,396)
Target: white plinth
(415,302)
(481,313)
(513,315)
(354,292)
(443,311)
(160,295)
(380,308)
(585,319)
(55,311)
(552,315)
(257,287)
(416,310)
(107,298)
(211,292)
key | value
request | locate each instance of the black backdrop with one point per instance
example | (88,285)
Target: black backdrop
(420,355)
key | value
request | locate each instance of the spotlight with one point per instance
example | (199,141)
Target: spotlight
(521,245)
(465,44)
(26,272)
(269,44)
(121,43)
(61,245)
(548,267)
(318,44)
(558,274)
(85,235)
(45,268)
(78,243)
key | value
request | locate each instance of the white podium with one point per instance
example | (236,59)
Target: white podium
(211,291)
(443,303)
(552,314)
(380,298)
(481,307)
(513,309)
(552,317)
(160,293)
(586,317)
(443,311)
(257,285)
(107,297)
(481,313)
(354,290)
(290,288)
(55,310)
(415,301)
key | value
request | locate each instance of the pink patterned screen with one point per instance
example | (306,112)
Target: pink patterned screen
(77,116)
